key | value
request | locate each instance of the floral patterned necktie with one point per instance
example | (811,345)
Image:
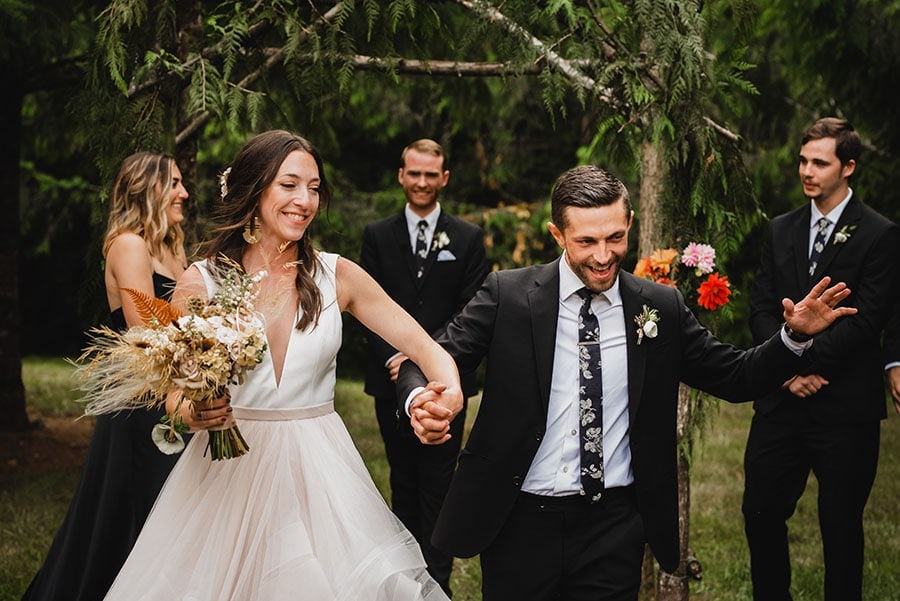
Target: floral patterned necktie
(590,399)
(818,245)
(421,249)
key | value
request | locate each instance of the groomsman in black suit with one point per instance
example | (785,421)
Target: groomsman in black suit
(825,418)
(571,464)
(430,263)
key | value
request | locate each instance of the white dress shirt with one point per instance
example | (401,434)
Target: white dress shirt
(556,467)
(412,225)
(833,216)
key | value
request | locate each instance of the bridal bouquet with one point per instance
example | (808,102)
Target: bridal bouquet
(691,271)
(217,343)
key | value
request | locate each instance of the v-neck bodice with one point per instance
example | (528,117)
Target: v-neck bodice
(308,376)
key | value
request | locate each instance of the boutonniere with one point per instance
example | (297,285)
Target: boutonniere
(646,323)
(441,239)
(844,234)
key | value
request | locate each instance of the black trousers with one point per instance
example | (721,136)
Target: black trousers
(420,476)
(566,549)
(777,463)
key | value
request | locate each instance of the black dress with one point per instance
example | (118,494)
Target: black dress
(122,475)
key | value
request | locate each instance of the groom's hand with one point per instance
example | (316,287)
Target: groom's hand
(818,309)
(806,386)
(430,415)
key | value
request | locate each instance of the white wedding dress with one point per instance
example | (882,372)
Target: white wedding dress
(297,518)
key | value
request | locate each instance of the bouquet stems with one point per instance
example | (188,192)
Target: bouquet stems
(226,441)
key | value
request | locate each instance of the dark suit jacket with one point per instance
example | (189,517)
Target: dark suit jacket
(847,354)
(446,285)
(512,322)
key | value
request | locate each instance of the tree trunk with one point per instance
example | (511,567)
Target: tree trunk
(657,584)
(675,587)
(12,392)
(650,233)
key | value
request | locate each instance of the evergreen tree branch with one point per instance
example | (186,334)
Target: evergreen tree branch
(611,52)
(211,53)
(274,58)
(567,68)
(608,50)
(575,75)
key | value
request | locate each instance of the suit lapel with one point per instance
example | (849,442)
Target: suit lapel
(849,218)
(443,225)
(401,237)
(800,240)
(543,301)
(633,301)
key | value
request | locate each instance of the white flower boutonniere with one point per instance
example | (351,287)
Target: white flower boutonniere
(844,234)
(647,323)
(441,239)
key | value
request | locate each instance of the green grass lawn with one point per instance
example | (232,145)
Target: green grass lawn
(31,510)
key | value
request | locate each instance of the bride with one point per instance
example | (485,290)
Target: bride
(298,517)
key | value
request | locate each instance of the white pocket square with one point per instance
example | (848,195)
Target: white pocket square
(446,255)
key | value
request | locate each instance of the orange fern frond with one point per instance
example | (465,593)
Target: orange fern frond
(153,309)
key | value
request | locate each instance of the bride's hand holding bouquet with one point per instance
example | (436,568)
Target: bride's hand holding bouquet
(174,358)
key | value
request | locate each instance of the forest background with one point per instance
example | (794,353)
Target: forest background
(724,83)
(697,105)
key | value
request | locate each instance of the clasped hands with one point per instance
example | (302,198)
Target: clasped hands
(810,316)
(432,410)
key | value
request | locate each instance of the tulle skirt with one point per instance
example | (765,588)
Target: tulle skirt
(297,518)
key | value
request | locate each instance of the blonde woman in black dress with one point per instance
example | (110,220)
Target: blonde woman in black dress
(123,471)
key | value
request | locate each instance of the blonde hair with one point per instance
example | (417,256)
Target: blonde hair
(138,203)
(425,146)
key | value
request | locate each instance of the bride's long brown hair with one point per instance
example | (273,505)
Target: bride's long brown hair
(251,172)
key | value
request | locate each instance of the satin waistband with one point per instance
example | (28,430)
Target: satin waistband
(283,415)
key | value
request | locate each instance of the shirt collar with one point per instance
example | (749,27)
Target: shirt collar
(413,220)
(569,284)
(834,214)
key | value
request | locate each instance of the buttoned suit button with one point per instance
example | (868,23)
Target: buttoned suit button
(517,481)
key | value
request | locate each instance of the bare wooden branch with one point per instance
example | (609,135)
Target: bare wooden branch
(571,69)
(723,131)
(448,68)
(553,59)
(487,11)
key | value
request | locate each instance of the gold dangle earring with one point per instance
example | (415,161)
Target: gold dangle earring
(251,231)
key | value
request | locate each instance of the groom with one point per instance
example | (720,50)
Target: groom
(570,467)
